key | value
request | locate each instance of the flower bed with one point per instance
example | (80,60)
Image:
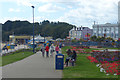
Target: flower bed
(85,47)
(106,56)
(92,59)
(108,62)
(111,68)
(78,50)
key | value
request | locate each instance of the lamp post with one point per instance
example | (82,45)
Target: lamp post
(33,31)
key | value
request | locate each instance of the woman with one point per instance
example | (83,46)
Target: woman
(47,50)
(57,49)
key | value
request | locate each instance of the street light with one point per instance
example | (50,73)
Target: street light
(33,31)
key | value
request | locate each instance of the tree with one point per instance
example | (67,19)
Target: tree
(93,38)
(100,39)
(54,29)
(110,39)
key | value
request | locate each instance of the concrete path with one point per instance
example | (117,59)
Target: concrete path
(34,66)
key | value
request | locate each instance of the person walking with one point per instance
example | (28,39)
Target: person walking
(47,50)
(43,50)
(57,49)
(60,46)
(51,50)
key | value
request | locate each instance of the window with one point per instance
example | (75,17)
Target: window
(95,29)
(107,30)
(112,29)
(116,30)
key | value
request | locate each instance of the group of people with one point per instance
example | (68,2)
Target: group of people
(50,49)
(71,56)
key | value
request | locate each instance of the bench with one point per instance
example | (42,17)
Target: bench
(71,62)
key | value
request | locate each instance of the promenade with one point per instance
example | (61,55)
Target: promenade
(34,66)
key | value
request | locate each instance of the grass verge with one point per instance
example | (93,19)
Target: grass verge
(16,56)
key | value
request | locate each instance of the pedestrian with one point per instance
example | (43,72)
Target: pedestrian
(57,49)
(51,49)
(47,50)
(60,46)
(43,50)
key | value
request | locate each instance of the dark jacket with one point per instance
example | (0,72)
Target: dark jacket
(74,55)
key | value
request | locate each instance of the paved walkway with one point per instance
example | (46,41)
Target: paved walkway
(34,66)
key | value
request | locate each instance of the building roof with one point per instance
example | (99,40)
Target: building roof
(79,28)
(107,24)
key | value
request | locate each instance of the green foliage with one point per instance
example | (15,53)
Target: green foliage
(93,38)
(101,39)
(110,39)
(18,55)
(45,28)
(74,40)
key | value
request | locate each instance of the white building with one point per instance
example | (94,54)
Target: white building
(80,32)
(75,33)
(106,30)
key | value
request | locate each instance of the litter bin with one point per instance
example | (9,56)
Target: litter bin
(59,64)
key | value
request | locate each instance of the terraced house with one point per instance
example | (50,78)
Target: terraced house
(80,32)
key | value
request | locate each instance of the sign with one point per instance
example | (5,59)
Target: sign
(59,56)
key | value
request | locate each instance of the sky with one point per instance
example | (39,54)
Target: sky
(75,12)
